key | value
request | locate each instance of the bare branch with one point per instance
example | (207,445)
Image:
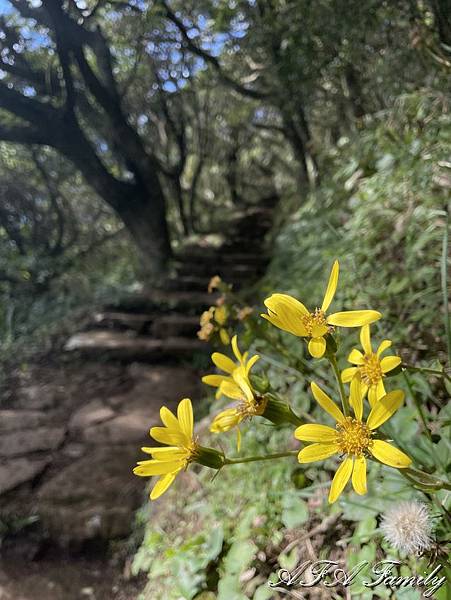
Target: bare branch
(211,60)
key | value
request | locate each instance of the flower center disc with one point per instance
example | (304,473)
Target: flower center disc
(354,437)
(371,369)
(315,319)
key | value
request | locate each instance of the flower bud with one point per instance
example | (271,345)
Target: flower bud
(280,412)
(209,457)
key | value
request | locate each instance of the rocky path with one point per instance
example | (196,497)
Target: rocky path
(71,429)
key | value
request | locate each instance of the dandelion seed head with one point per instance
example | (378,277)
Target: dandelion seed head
(407,527)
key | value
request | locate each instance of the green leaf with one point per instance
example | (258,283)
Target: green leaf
(295,511)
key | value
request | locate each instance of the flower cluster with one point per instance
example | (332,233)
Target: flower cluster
(219,319)
(355,437)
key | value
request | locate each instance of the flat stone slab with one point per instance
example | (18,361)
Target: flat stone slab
(19,443)
(93,497)
(11,420)
(120,346)
(126,429)
(16,471)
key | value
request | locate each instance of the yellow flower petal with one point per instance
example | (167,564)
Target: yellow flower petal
(331,286)
(213,380)
(185,417)
(384,345)
(356,398)
(359,475)
(327,403)
(347,374)
(315,452)
(353,318)
(220,315)
(172,437)
(223,362)
(165,453)
(168,418)
(231,390)
(148,468)
(319,330)
(286,313)
(389,363)
(235,348)
(316,433)
(376,392)
(340,479)
(242,380)
(385,408)
(225,338)
(317,347)
(356,357)
(251,363)
(389,455)
(162,485)
(238,439)
(225,420)
(365,339)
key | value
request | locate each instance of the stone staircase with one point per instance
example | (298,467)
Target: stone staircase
(71,429)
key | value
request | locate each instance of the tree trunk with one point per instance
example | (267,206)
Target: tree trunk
(148,229)
(140,204)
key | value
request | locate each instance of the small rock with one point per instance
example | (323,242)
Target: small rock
(91,414)
(124,429)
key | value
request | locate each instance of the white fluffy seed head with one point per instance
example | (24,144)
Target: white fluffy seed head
(407,527)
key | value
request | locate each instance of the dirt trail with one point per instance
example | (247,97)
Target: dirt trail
(71,429)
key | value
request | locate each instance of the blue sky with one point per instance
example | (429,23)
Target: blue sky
(5,7)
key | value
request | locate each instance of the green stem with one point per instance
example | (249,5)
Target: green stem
(418,407)
(246,459)
(427,370)
(344,401)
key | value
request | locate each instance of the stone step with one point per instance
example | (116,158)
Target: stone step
(121,320)
(187,283)
(155,325)
(121,346)
(175,325)
(229,273)
(159,301)
(219,257)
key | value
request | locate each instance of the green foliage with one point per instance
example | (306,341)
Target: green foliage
(382,213)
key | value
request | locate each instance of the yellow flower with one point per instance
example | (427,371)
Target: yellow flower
(352,438)
(214,283)
(182,449)
(290,315)
(212,320)
(226,364)
(221,315)
(249,403)
(370,367)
